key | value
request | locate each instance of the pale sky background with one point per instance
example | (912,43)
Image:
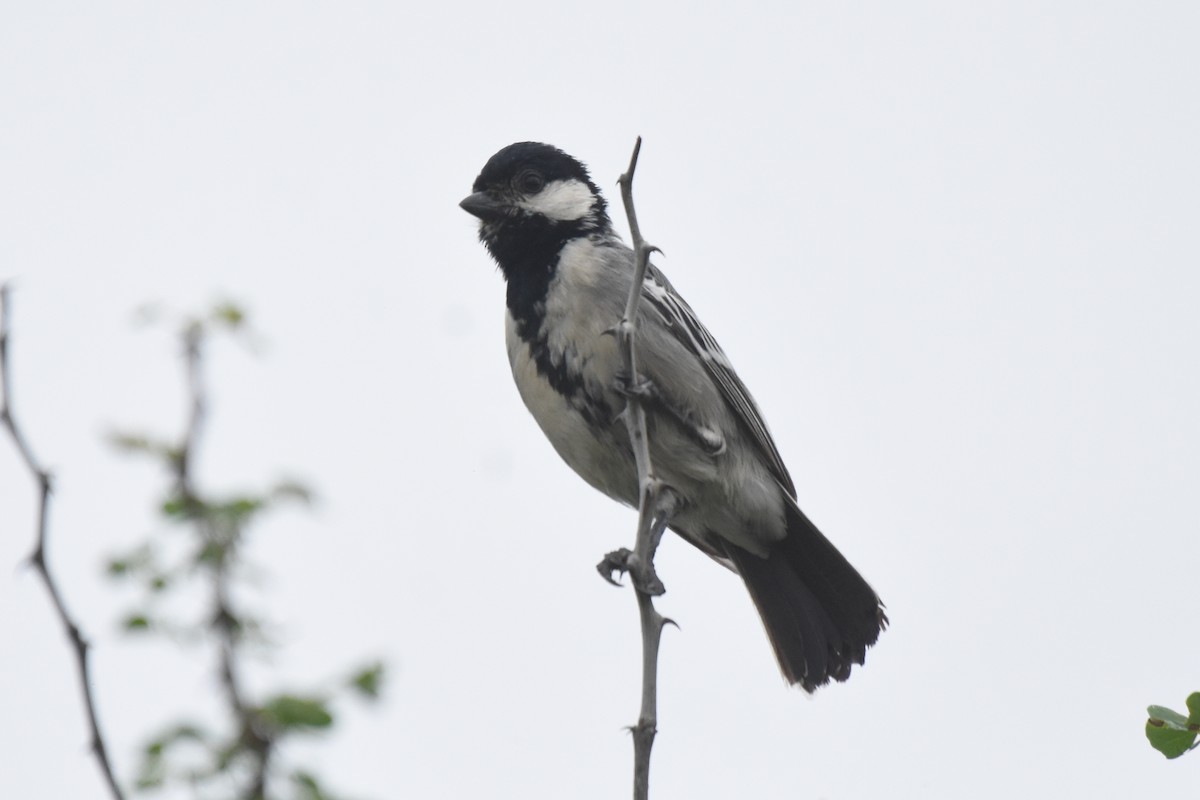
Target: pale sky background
(952,248)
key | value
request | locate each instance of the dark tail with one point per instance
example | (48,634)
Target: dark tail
(820,614)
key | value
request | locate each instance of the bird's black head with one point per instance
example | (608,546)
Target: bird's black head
(531,199)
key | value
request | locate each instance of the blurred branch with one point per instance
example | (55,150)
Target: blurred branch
(38,558)
(245,754)
(225,624)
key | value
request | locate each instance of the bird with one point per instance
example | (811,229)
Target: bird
(546,225)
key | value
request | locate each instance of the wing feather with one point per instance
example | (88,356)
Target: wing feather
(688,329)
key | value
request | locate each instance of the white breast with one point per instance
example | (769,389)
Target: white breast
(597,460)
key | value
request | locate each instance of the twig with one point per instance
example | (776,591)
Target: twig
(38,557)
(655,506)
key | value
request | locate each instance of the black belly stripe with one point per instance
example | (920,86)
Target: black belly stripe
(569,383)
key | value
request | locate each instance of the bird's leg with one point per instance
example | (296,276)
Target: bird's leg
(639,563)
(663,504)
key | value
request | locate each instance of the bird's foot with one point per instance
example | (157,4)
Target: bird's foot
(645,579)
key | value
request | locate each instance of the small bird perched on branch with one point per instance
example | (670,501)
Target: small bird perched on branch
(546,224)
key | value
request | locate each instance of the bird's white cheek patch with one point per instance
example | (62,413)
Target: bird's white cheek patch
(561,200)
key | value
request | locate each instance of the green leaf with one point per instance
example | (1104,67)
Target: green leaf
(292,490)
(152,772)
(136,622)
(229,314)
(176,506)
(290,712)
(1169,732)
(1169,741)
(224,756)
(140,443)
(131,563)
(152,775)
(212,553)
(367,681)
(309,788)
(184,731)
(240,508)
(132,442)
(1166,715)
(1193,707)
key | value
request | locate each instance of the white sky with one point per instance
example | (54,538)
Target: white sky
(951,247)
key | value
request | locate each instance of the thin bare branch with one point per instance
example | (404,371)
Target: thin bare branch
(641,563)
(38,557)
(656,501)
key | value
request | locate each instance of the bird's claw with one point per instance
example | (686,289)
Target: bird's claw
(615,562)
(622,561)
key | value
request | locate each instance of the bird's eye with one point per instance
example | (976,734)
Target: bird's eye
(530,182)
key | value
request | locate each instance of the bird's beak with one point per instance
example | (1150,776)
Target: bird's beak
(483,206)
